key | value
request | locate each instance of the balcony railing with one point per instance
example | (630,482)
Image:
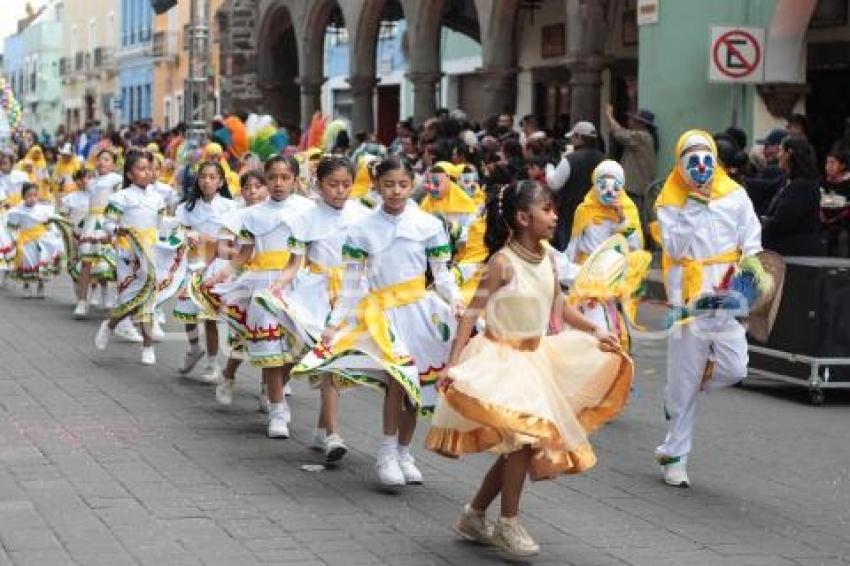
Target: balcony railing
(104,58)
(165,46)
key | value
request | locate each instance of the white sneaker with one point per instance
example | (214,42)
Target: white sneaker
(474,526)
(224,391)
(94,301)
(81,310)
(212,372)
(148,356)
(318,441)
(335,448)
(675,472)
(191,359)
(389,471)
(278,425)
(157,333)
(126,330)
(101,339)
(411,473)
(511,537)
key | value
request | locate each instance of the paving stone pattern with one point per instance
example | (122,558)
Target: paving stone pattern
(106,462)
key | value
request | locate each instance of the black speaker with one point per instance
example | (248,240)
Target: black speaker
(162,6)
(813,318)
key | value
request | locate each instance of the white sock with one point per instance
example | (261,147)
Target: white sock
(276,408)
(321,432)
(403,451)
(388,445)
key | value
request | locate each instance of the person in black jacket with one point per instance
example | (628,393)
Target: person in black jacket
(792,223)
(570,180)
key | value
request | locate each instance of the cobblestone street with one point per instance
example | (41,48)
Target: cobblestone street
(106,462)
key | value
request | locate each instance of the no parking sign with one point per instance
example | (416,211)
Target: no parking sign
(736,55)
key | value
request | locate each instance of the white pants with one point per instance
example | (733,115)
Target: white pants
(718,339)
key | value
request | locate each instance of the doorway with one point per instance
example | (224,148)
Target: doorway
(389,110)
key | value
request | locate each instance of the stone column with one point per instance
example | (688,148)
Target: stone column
(424,94)
(498,89)
(585,89)
(311,96)
(587,31)
(362,97)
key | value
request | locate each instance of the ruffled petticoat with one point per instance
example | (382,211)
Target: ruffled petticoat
(551,397)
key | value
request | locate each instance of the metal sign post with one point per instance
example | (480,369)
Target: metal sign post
(198,42)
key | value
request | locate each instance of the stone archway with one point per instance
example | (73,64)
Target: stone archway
(278,66)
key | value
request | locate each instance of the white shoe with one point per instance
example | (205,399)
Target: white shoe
(39,290)
(389,471)
(278,425)
(101,339)
(157,333)
(126,330)
(191,359)
(94,301)
(318,441)
(287,390)
(148,356)
(511,537)
(81,310)
(474,526)
(224,391)
(212,372)
(675,472)
(335,448)
(411,473)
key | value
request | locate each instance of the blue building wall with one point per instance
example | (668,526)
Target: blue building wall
(136,62)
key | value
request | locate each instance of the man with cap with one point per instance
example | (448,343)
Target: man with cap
(639,141)
(707,225)
(770,179)
(571,179)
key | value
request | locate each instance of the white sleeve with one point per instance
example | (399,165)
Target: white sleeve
(749,230)
(557,177)
(566,268)
(678,227)
(444,281)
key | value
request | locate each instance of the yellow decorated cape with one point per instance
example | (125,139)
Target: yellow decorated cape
(455,201)
(592,211)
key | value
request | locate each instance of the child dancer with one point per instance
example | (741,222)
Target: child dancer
(11,182)
(74,206)
(38,248)
(96,251)
(202,216)
(165,191)
(320,235)
(607,210)
(264,237)
(707,225)
(398,335)
(513,390)
(253,191)
(134,215)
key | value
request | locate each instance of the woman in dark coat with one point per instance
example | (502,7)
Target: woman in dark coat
(792,224)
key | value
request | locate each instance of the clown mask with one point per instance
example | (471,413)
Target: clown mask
(469,182)
(608,188)
(697,166)
(437,184)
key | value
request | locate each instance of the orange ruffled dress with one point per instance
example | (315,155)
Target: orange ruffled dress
(515,385)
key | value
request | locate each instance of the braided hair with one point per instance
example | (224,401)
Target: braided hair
(503,204)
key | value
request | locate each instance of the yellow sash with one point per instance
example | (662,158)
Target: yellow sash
(27,235)
(97,210)
(272,260)
(371,316)
(334,274)
(692,270)
(147,236)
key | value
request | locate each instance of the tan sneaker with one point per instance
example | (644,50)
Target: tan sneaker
(511,537)
(474,526)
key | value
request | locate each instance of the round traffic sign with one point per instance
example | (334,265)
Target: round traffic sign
(736,53)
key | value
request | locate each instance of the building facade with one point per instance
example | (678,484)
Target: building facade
(135,61)
(171,62)
(32,67)
(807,69)
(89,64)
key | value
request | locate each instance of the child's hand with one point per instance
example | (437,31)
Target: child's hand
(444,380)
(607,342)
(458,309)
